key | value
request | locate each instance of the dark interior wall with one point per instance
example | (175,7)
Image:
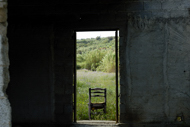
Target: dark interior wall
(41,70)
(151,67)
(63,48)
(29,90)
(45,46)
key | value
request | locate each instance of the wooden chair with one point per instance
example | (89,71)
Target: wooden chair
(96,92)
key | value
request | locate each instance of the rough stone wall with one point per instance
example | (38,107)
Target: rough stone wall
(5,110)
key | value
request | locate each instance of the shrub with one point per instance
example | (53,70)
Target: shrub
(98,38)
(108,62)
(91,54)
(110,38)
(78,67)
(93,59)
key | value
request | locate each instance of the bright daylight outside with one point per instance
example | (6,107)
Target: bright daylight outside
(96,69)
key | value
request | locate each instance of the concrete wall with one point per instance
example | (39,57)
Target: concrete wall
(156,86)
(5,110)
(154,59)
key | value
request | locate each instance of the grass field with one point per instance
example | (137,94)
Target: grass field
(91,79)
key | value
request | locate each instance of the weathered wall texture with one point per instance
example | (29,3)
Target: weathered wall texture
(154,54)
(156,87)
(154,58)
(5,110)
(177,70)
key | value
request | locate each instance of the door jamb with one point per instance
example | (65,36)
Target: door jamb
(75,72)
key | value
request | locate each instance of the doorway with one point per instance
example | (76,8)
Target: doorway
(97,44)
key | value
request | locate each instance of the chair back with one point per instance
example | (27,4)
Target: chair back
(97,92)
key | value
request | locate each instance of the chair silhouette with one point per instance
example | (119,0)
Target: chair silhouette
(96,92)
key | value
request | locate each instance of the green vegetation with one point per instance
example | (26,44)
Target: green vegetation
(96,61)
(96,54)
(91,79)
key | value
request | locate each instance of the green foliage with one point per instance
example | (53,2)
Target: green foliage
(110,38)
(98,38)
(96,54)
(88,79)
(108,62)
(93,59)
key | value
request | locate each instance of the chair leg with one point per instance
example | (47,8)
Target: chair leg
(105,109)
(89,112)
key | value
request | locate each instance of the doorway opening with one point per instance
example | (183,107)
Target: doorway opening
(96,66)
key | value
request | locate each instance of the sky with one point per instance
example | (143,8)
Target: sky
(84,35)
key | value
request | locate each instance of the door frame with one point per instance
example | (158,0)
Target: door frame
(75,70)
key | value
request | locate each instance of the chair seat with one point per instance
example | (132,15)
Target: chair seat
(98,105)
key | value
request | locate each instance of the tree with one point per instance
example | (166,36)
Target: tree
(98,38)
